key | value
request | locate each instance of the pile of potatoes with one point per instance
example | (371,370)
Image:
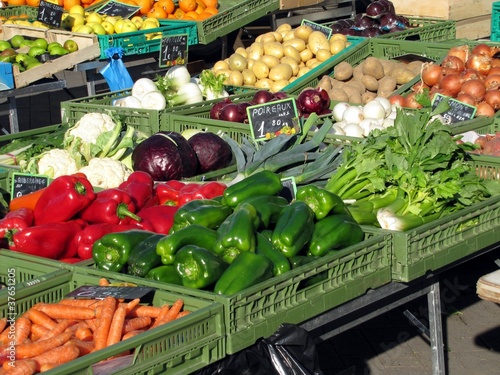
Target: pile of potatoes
(371,78)
(277,58)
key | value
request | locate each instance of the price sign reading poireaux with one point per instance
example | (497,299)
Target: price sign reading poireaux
(273,118)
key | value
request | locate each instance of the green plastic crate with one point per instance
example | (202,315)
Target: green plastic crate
(16,11)
(233,14)
(179,347)
(495,22)
(136,42)
(258,311)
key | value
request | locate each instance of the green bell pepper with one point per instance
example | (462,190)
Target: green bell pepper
(334,232)
(111,252)
(237,233)
(268,208)
(198,267)
(165,274)
(260,183)
(143,256)
(246,270)
(294,228)
(280,262)
(321,201)
(300,260)
(205,212)
(193,234)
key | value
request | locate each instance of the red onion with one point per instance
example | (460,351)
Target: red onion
(231,112)
(313,100)
(262,96)
(217,107)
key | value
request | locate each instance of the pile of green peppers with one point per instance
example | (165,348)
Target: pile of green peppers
(244,237)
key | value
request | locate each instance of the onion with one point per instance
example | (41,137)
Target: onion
(385,103)
(231,112)
(492,97)
(438,90)
(481,63)
(389,5)
(217,107)
(353,114)
(483,49)
(242,107)
(362,21)
(376,9)
(388,122)
(370,32)
(410,101)
(495,62)
(470,74)
(462,52)
(453,64)
(419,87)
(484,109)
(466,98)
(280,95)
(431,74)
(353,130)
(367,124)
(494,70)
(451,83)
(338,110)
(492,81)
(474,88)
(373,110)
(397,100)
(313,101)
(262,96)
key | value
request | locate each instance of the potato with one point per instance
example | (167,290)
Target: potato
(317,40)
(303,70)
(402,74)
(270,60)
(293,64)
(277,36)
(325,83)
(274,49)
(315,63)
(370,83)
(291,52)
(357,84)
(311,62)
(280,72)
(342,71)
(284,27)
(388,66)
(338,36)
(386,85)
(351,90)
(221,64)
(260,69)
(355,98)
(225,72)
(338,95)
(296,43)
(255,51)
(373,67)
(237,62)
(303,32)
(235,78)
(415,66)
(267,38)
(288,35)
(264,83)
(306,55)
(249,78)
(323,55)
(242,51)
(250,63)
(357,72)
(336,46)
(278,85)
(368,96)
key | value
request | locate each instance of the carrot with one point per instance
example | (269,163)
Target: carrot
(136,323)
(102,331)
(39,317)
(103,282)
(85,347)
(4,336)
(130,306)
(36,348)
(26,200)
(80,324)
(37,331)
(58,311)
(91,303)
(171,313)
(48,366)
(3,324)
(58,329)
(183,313)
(116,327)
(84,333)
(132,333)
(23,328)
(20,367)
(92,324)
(58,355)
(163,311)
(143,310)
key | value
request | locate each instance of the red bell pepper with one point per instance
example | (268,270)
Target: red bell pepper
(51,240)
(140,187)
(112,206)
(160,218)
(63,199)
(167,193)
(87,236)
(207,190)
(70,260)
(17,219)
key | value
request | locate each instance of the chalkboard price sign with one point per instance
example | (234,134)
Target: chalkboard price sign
(173,50)
(101,292)
(458,111)
(317,27)
(50,13)
(289,188)
(23,183)
(115,8)
(273,118)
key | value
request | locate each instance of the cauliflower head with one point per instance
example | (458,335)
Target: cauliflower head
(106,172)
(91,125)
(56,162)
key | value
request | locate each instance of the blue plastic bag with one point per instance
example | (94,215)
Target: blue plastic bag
(115,73)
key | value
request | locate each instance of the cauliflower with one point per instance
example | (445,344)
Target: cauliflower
(106,172)
(56,162)
(91,125)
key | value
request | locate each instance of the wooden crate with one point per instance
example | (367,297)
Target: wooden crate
(446,9)
(474,28)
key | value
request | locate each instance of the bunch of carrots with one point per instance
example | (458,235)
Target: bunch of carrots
(51,334)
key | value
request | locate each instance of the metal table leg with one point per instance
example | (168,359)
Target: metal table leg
(436,329)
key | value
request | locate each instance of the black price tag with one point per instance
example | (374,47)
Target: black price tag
(273,118)
(173,50)
(50,13)
(101,292)
(458,111)
(327,31)
(289,188)
(23,183)
(115,8)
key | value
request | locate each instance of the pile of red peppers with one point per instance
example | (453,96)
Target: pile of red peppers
(69,215)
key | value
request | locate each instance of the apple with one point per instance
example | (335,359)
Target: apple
(83,29)
(58,51)
(16,40)
(108,27)
(118,25)
(77,9)
(4,44)
(93,17)
(129,27)
(70,45)
(98,29)
(71,21)
(40,42)
(52,45)
(36,51)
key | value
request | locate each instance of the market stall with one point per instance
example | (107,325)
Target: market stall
(309,178)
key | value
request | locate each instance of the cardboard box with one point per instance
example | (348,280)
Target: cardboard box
(6,76)
(292,4)
(474,28)
(446,9)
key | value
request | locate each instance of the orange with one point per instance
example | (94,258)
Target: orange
(16,2)
(213,11)
(157,12)
(191,15)
(212,3)
(178,14)
(33,3)
(168,5)
(187,5)
(145,6)
(69,3)
(204,16)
